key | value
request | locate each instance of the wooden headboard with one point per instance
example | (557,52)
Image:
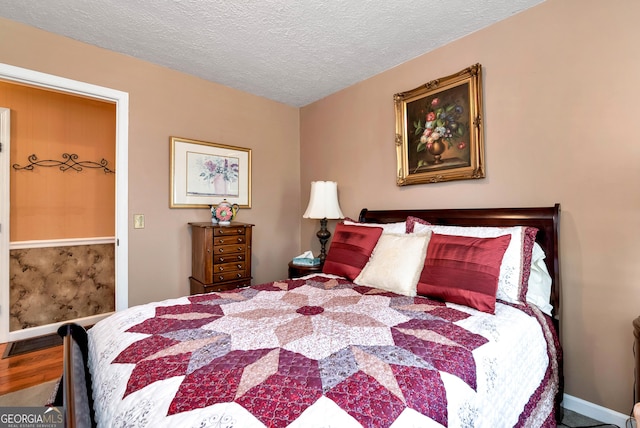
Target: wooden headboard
(545,219)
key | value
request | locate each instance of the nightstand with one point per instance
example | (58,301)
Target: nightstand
(296,271)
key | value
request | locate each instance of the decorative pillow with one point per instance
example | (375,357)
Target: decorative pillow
(399,227)
(463,270)
(516,264)
(350,250)
(539,290)
(527,252)
(411,221)
(396,263)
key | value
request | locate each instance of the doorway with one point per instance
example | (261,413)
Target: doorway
(120,99)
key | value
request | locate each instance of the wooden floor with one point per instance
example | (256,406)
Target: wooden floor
(33,368)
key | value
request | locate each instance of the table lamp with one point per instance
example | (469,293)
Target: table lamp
(323,205)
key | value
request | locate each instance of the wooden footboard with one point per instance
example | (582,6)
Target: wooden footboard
(75,394)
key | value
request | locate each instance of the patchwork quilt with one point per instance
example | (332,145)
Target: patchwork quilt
(321,352)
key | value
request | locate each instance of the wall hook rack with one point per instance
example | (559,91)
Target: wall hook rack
(69,162)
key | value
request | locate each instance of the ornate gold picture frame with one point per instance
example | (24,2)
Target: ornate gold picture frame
(439,133)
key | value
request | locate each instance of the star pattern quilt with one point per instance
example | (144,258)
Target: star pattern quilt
(321,351)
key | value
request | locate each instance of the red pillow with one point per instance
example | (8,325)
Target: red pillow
(463,270)
(350,250)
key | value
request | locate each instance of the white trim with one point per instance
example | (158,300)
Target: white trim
(5,229)
(594,411)
(57,83)
(122,202)
(52,328)
(49,243)
(121,100)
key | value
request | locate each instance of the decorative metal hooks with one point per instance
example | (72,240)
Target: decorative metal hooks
(70,162)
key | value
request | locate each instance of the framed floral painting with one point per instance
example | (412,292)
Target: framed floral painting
(439,134)
(204,174)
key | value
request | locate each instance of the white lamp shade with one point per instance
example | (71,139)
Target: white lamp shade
(323,201)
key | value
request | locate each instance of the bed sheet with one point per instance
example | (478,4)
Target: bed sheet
(318,352)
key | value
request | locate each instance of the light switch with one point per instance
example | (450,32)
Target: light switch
(138,221)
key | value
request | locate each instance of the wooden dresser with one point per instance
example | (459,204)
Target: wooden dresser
(221,256)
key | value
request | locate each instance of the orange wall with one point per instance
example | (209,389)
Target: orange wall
(47,203)
(560,115)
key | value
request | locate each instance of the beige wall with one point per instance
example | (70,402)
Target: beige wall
(561,112)
(164,103)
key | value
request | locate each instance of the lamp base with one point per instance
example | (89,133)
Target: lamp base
(323,235)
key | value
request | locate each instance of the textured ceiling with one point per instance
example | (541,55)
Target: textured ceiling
(291,51)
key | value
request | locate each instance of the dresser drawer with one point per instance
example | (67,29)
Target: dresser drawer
(227,240)
(229,230)
(227,276)
(198,288)
(229,249)
(228,258)
(228,267)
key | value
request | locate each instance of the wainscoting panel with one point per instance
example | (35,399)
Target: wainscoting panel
(50,284)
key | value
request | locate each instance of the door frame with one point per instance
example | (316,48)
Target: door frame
(121,100)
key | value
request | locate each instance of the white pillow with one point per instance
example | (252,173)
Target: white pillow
(399,227)
(510,281)
(539,290)
(396,263)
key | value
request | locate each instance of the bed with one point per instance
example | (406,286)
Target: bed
(421,318)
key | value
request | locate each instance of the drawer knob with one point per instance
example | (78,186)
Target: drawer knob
(221,277)
(239,266)
(239,275)
(221,231)
(239,248)
(221,268)
(221,259)
(221,250)
(239,240)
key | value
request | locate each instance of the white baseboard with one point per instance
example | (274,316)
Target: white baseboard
(594,411)
(28,333)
